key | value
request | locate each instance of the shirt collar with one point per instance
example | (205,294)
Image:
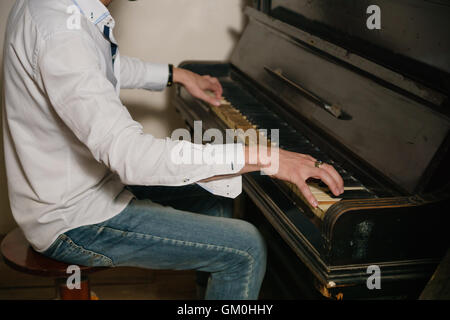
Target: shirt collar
(96,12)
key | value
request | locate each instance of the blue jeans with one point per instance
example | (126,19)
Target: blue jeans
(183,228)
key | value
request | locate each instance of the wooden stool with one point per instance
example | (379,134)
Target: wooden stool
(20,256)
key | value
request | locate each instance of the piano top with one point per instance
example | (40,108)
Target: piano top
(413,39)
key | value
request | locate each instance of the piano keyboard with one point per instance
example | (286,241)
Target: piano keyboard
(252,115)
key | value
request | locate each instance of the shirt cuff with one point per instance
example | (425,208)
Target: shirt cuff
(233,156)
(200,162)
(228,187)
(226,158)
(157,76)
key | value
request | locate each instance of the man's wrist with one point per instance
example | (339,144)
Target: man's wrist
(180,75)
(252,161)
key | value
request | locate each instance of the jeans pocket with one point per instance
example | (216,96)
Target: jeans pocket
(65,250)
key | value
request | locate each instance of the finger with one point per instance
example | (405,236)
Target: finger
(306,192)
(207,83)
(339,182)
(336,176)
(319,173)
(209,99)
(218,86)
(307,156)
(214,85)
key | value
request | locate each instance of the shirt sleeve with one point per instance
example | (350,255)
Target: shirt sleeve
(82,96)
(137,74)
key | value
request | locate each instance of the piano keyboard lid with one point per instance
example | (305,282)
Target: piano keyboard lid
(391,122)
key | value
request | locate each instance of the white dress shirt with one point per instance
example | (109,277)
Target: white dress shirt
(70,145)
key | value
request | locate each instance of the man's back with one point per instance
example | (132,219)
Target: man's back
(53,179)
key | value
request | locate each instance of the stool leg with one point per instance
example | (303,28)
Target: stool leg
(84,293)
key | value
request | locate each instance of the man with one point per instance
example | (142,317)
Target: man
(71,149)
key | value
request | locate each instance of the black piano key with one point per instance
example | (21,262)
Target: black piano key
(258,117)
(262,117)
(352,183)
(341,171)
(291,136)
(300,148)
(352,195)
(240,100)
(346,176)
(288,148)
(250,108)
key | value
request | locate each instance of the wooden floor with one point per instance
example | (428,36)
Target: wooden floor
(111,284)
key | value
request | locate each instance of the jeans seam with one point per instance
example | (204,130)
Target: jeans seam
(195,244)
(55,245)
(74,245)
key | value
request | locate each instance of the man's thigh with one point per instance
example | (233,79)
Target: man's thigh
(149,235)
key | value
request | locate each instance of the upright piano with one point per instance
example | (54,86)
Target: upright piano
(374,103)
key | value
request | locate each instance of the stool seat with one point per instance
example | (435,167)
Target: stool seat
(19,255)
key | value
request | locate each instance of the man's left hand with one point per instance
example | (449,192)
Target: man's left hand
(196,85)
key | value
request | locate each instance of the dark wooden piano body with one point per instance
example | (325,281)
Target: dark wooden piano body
(396,144)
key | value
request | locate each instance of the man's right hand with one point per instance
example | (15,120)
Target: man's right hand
(297,168)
